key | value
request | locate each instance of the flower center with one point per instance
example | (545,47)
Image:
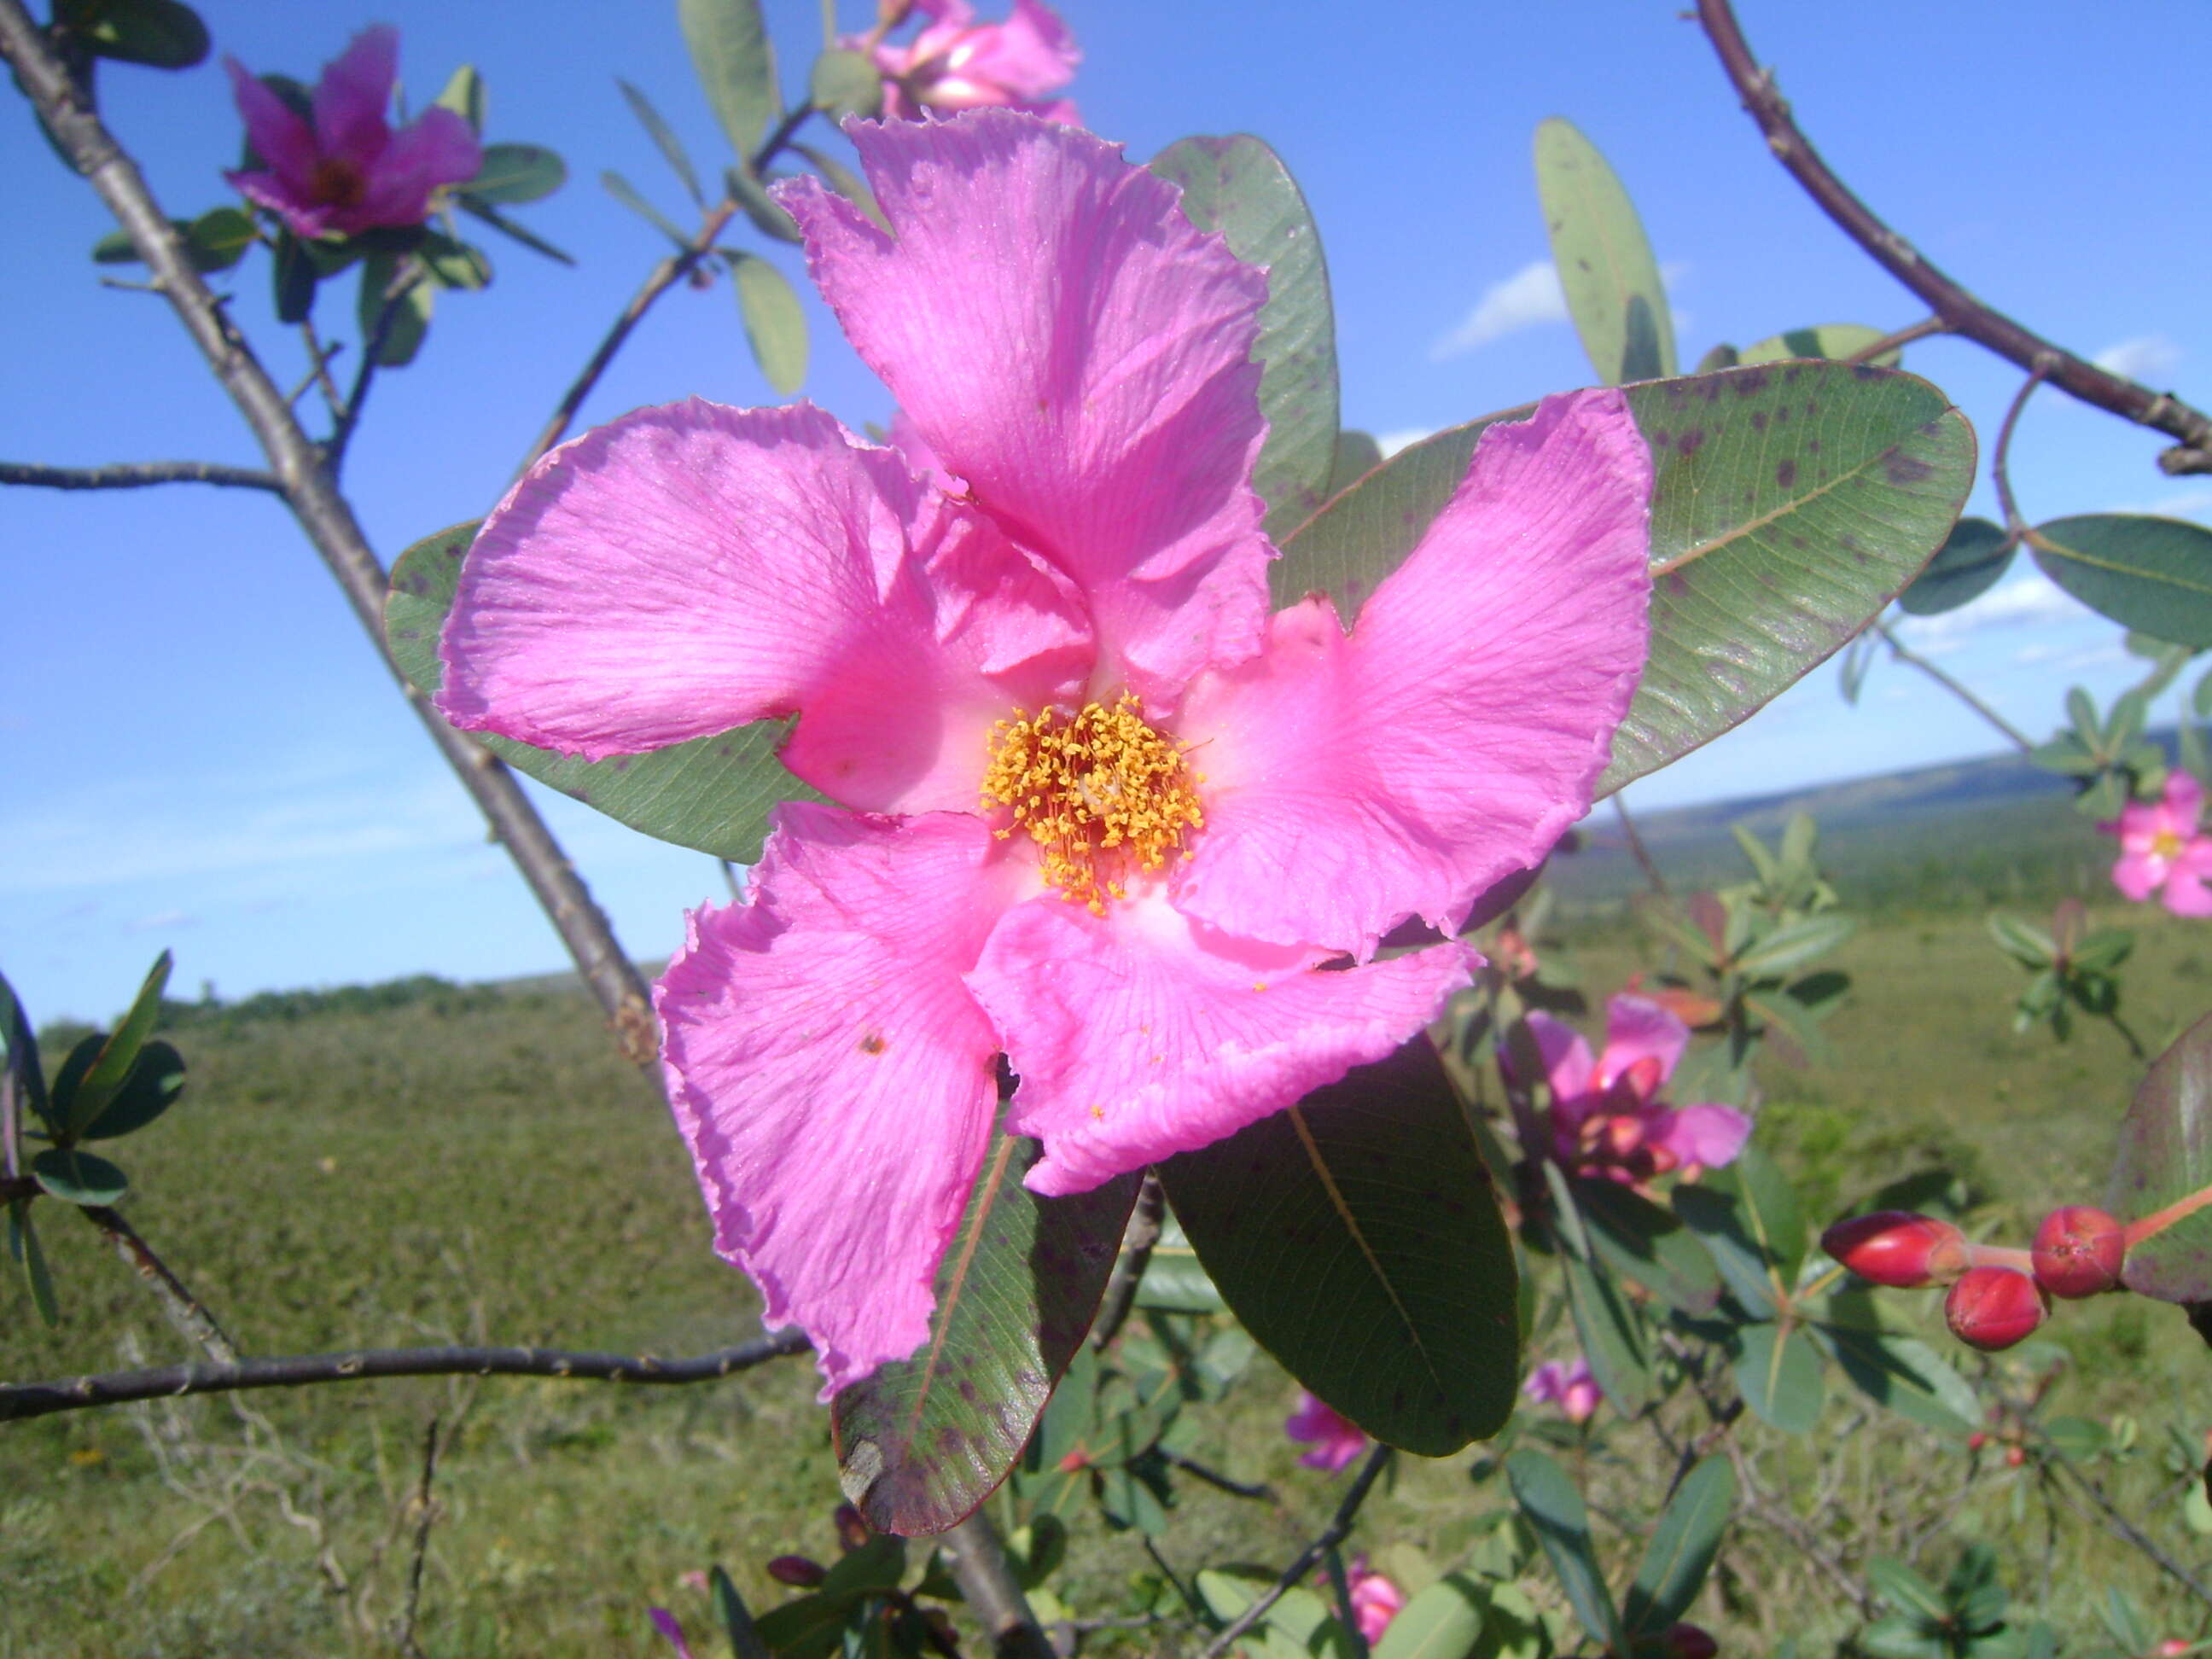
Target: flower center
(1101,792)
(2165,844)
(337,183)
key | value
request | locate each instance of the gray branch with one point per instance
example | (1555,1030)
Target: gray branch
(137,475)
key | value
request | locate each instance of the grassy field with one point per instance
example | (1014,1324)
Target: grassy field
(486,1169)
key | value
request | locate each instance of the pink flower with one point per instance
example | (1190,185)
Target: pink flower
(664,1622)
(1336,1439)
(347,170)
(957,63)
(1095,809)
(1374,1600)
(1606,1116)
(1570,1388)
(2162,848)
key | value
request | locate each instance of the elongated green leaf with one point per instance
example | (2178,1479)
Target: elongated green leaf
(150,1090)
(1791,502)
(507,226)
(1682,1548)
(2151,575)
(1797,943)
(158,34)
(736,65)
(1904,1373)
(1779,1374)
(1358,454)
(737,1619)
(1770,1208)
(1444,1621)
(515,173)
(1612,1335)
(1971,559)
(922,1442)
(627,194)
(1642,1241)
(1554,1510)
(20,1041)
(76,1177)
(663,138)
(1240,187)
(776,324)
(1605,264)
(845,182)
(464,94)
(1904,1588)
(1831,340)
(1357,1237)
(216,240)
(843,82)
(1717,1217)
(1298,1627)
(767,216)
(23,1246)
(293,278)
(2164,1154)
(713,793)
(814,1627)
(394,308)
(119,1053)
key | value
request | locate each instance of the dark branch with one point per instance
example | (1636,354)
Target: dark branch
(1144,1232)
(1339,1529)
(1959,311)
(27,1400)
(137,475)
(978,1564)
(185,1311)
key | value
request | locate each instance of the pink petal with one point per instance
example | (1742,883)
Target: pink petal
(1336,1439)
(1712,1135)
(1457,732)
(689,569)
(305,218)
(1139,1034)
(279,137)
(1026,58)
(1637,1027)
(1567,1063)
(2184,800)
(2137,875)
(354,96)
(1547,1384)
(664,1622)
(2186,893)
(832,1076)
(436,149)
(1065,342)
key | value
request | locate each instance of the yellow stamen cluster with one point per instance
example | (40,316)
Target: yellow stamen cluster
(1101,792)
(2165,844)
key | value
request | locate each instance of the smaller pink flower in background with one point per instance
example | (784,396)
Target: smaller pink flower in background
(1374,1600)
(1570,1387)
(345,168)
(957,63)
(1606,1116)
(1336,1439)
(2162,851)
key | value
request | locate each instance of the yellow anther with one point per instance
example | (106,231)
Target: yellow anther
(1102,793)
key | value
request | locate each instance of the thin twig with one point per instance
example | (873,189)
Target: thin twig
(137,475)
(1780,1517)
(185,1311)
(1137,1242)
(2001,456)
(425,1517)
(1898,650)
(319,357)
(1339,1529)
(372,353)
(1636,846)
(20,1400)
(1960,311)
(2117,1523)
(1904,337)
(1259,1490)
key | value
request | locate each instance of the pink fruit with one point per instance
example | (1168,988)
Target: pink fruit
(2078,1251)
(1993,1307)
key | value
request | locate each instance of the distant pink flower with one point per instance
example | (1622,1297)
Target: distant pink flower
(2162,851)
(347,170)
(1570,1388)
(1010,684)
(1375,1601)
(1337,1440)
(957,63)
(1606,1116)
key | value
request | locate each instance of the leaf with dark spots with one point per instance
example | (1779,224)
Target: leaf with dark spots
(2165,1155)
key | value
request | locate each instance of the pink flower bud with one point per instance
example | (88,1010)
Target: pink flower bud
(2173,1647)
(1689,1641)
(2078,1251)
(1993,1307)
(1893,1247)
(797,1571)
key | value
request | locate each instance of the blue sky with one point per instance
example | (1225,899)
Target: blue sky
(203,753)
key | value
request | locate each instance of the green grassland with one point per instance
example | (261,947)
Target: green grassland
(480,1166)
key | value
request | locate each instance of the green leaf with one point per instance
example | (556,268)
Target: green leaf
(23,1245)
(844,83)
(409,319)
(515,173)
(713,793)
(464,94)
(1968,564)
(158,34)
(1791,502)
(1717,1217)
(1903,1374)
(453,262)
(507,226)
(1779,1374)
(117,1055)
(1358,454)
(1770,1208)
(1298,1627)
(1174,1281)
(1612,1335)
(1682,1547)
(767,216)
(150,1090)
(627,194)
(2164,1155)
(217,240)
(1240,187)
(1554,1509)
(1444,1621)
(2024,942)
(812,1627)
(20,1044)
(2151,575)
(1795,944)
(737,1619)
(1605,263)
(736,64)
(664,137)
(1642,1241)
(776,324)
(1832,340)
(76,1177)
(293,275)
(923,1441)
(1905,1590)
(1722,356)
(846,183)
(1357,1237)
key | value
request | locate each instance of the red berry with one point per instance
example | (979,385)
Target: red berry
(2015,1456)
(1689,1641)
(797,1570)
(2173,1647)
(1893,1248)
(1977,1440)
(1993,1307)
(2078,1251)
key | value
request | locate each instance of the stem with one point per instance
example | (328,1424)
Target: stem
(324,513)
(186,1310)
(1258,1491)
(1898,650)
(1144,1232)
(2000,458)
(319,356)
(21,1401)
(2001,1255)
(2120,1526)
(1643,854)
(2159,1220)
(1340,1586)
(137,474)
(372,350)
(1960,310)
(1904,337)
(1339,1529)
(978,1563)
(2135,1049)
(426,1517)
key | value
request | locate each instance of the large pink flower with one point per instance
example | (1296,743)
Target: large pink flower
(957,63)
(1606,1116)
(1097,810)
(2162,851)
(347,170)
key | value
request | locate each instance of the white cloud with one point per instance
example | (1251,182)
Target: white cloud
(1391,443)
(2028,601)
(162,921)
(1529,297)
(2183,504)
(2146,358)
